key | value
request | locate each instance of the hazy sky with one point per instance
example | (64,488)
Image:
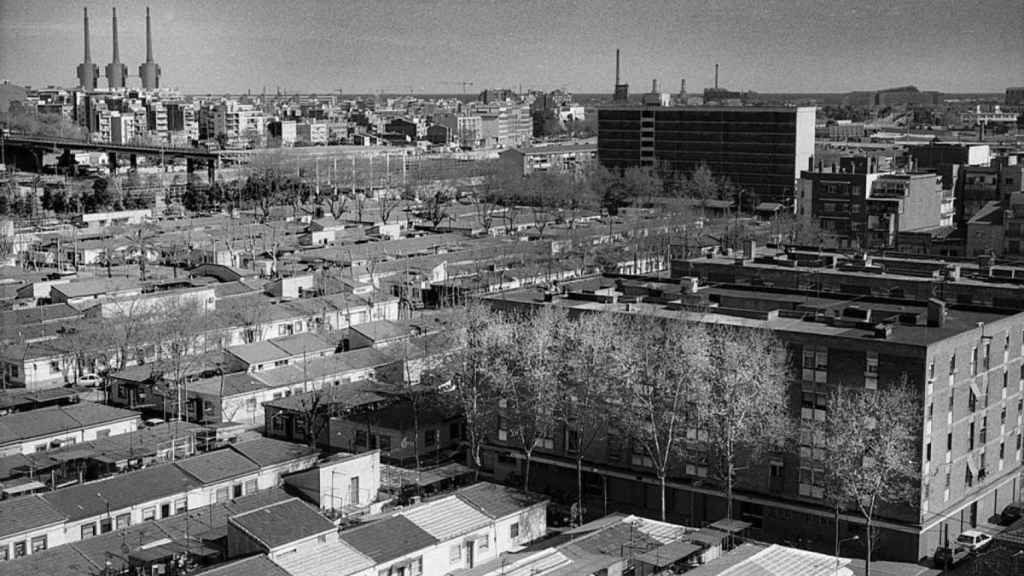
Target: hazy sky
(430,46)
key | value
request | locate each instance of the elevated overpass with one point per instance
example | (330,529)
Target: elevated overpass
(193,156)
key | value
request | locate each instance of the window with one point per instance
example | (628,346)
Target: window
(483,544)
(4,553)
(149,513)
(236,491)
(19,549)
(931,370)
(454,553)
(974,361)
(165,509)
(430,438)
(361,439)
(88,530)
(949,441)
(106,525)
(38,544)
(123,520)
(250,486)
(775,470)
(1002,450)
(181,506)
(928,452)
(572,441)
(614,447)
(384,443)
(222,494)
(871,371)
(952,364)
(513,530)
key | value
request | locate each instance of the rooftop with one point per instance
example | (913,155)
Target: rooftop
(217,466)
(388,538)
(497,501)
(268,451)
(19,515)
(335,558)
(282,523)
(22,426)
(447,518)
(91,499)
(251,566)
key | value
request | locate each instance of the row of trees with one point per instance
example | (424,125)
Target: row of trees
(673,391)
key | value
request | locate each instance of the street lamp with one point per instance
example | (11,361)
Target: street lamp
(853,538)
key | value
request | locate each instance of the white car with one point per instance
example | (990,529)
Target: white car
(973,540)
(90,380)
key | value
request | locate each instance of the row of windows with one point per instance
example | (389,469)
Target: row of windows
(21,548)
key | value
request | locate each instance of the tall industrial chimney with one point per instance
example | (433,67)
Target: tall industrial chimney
(116,72)
(716,76)
(149,71)
(88,73)
(621,93)
(616,56)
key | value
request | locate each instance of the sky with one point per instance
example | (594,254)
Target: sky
(431,46)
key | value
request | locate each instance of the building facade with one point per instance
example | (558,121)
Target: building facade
(761,150)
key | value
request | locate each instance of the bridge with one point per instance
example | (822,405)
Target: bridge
(194,156)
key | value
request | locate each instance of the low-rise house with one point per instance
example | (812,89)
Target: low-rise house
(345,484)
(28,525)
(118,218)
(279,530)
(83,293)
(277,352)
(291,286)
(47,428)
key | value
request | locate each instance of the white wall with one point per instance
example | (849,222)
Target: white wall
(54,537)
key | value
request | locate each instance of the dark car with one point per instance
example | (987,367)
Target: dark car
(1011,513)
(950,556)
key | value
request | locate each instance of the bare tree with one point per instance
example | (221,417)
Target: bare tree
(664,365)
(589,378)
(743,401)
(478,335)
(525,376)
(871,455)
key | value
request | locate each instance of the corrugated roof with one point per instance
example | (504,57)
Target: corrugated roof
(335,558)
(497,501)
(447,518)
(388,538)
(282,523)
(775,560)
(19,515)
(217,466)
(258,352)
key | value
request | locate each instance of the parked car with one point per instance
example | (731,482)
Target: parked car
(1011,513)
(950,556)
(90,380)
(973,540)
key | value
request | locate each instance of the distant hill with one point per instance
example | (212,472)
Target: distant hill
(9,93)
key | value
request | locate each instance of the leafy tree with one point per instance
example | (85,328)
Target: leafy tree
(664,364)
(871,453)
(642,183)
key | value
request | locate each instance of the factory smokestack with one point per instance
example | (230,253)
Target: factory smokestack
(88,73)
(621,93)
(716,76)
(616,54)
(116,72)
(149,71)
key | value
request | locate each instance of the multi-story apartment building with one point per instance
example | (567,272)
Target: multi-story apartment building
(964,362)
(241,124)
(760,149)
(868,209)
(977,185)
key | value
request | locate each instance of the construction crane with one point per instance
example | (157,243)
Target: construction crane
(464,83)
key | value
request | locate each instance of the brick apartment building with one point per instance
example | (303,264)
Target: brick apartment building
(965,362)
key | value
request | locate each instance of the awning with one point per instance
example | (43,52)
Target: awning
(23,488)
(731,525)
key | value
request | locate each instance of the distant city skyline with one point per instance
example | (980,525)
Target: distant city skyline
(431,47)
